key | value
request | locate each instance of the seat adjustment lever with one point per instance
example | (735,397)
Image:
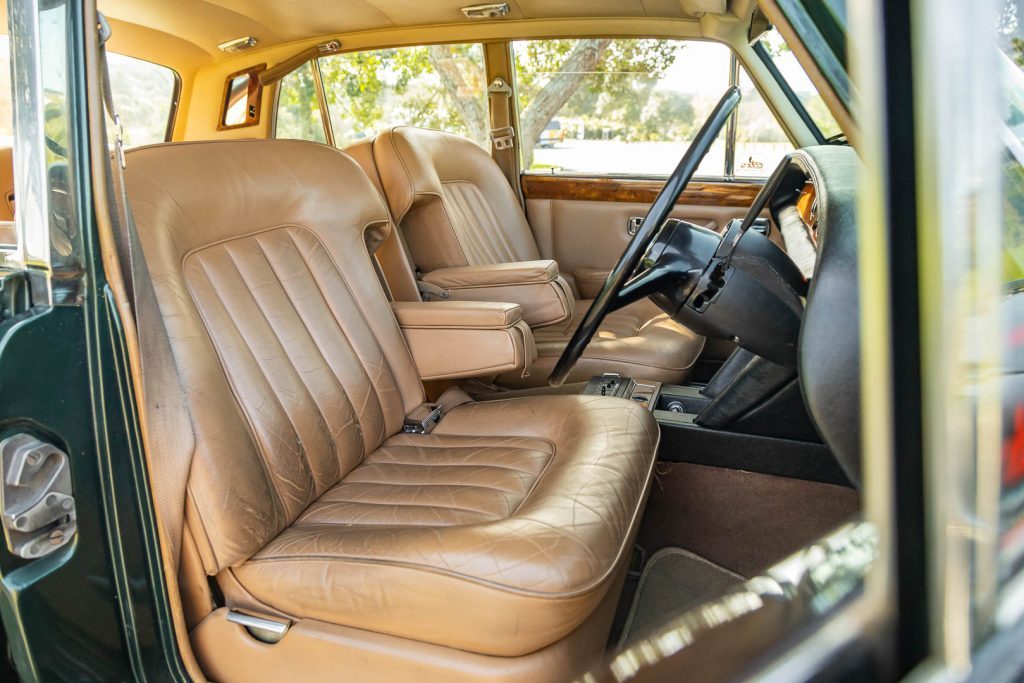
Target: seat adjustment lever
(264,629)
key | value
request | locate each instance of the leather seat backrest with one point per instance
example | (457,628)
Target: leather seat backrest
(292,364)
(829,345)
(451,200)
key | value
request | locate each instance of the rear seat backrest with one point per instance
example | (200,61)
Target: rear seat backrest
(451,200)
(278,326)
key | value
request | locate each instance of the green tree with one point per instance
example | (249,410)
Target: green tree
(1009,27)
(298,114)
(599,79)
(444,86)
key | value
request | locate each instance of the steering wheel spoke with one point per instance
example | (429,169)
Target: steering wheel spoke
(641,285)
(623,286)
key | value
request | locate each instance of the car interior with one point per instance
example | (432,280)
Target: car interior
(417,411)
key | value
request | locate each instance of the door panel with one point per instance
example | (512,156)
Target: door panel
(581,222)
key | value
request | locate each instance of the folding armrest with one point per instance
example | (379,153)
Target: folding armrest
(456,339)
(544,295)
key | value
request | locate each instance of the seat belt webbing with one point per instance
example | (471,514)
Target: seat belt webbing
(499,100)
(169,432)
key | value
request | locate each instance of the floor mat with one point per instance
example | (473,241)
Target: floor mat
(743,521)
(674,581)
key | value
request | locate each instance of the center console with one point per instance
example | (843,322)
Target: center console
(612,384)
(747,418)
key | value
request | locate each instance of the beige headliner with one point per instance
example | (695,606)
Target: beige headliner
(184,34)
(193,28)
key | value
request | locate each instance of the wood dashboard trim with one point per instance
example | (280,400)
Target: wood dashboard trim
(642,191)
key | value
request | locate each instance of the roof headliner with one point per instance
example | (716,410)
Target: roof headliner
(194,28)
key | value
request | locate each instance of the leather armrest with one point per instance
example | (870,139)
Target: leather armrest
(535,285)
(455,339)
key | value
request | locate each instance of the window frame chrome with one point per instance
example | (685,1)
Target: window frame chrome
(34,251)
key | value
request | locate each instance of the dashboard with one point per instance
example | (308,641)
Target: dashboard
(796,214)
(807,207)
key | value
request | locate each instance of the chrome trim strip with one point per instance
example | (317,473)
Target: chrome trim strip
(31,186)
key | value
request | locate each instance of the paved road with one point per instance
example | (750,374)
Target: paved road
(611,156)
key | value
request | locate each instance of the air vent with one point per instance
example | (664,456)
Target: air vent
(238,44)
(494,11)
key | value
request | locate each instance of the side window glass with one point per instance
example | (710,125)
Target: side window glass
(145,95)
(622,106)
(760,140)
(298,113)
(434,86)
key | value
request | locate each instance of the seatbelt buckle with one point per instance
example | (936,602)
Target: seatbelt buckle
(502,137)
(423,419)
(430,291)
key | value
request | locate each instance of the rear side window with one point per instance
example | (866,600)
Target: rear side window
(431,86)
(144,94)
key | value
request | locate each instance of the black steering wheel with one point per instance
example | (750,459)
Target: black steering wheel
(622,287)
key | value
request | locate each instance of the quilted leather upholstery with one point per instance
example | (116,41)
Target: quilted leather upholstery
(525,529)
(499,533)
(454,205)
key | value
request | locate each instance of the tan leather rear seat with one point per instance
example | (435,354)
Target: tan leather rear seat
(493,547)
(455,208)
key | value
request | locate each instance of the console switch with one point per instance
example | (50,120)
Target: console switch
(613,384)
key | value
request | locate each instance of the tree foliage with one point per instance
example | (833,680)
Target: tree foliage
(1009,28)
(606,84)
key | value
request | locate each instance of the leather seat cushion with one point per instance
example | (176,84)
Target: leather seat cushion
(638,341)
(493,544)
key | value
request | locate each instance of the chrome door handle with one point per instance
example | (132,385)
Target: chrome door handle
(633,225)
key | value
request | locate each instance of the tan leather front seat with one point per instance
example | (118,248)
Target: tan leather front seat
(455,208)
(493,547)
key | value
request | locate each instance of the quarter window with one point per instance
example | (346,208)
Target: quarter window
(298,114)
(144,94)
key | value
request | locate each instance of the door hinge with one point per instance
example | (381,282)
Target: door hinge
(38,506)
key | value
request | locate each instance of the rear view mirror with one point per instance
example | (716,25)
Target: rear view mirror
(242,94)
